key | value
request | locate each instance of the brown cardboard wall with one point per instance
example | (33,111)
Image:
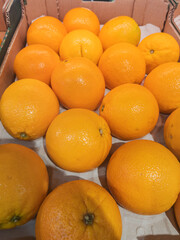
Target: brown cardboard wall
(2,34)
(58,8)
(52,8)
(177,11)
(150,11)
(17,43)
(169,27)
(2,22)
(104,10)
(139,10)
(35,8)
(155,12)
(175,15)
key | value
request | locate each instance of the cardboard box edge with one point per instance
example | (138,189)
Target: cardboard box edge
(18,42)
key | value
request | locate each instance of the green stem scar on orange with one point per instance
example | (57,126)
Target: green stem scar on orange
(15,218)
(88,218)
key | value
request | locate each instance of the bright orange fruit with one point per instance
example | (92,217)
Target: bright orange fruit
(78,83)
(23,184)
(77,210)
(120,29)
(81,18)
(172,132)
(159,48)
(122,63)
(164,83)
(81,43)
(27,108)
(144,177)
(36,61)
(78,140)
(48,31)
(130,110)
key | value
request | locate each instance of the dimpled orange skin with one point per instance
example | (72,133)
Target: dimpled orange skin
(27,108)
(48,31)
(172,132)
(130,111)
(78,140)
(81,18)
(78,83)
(81,43)
(122,63)
(177,210)
(23,184)
(120,29)
(144,177)
(36,61)
(164,83)
(159,48)
(62,214)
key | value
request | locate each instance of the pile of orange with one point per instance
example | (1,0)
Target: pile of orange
(62,76)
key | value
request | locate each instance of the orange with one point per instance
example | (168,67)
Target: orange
(48,31)
(78,83)
(130,110)
(78,140)
(79,210)
(81,43)
(177,210)
(144,177)
(120,29)
(172,132)
(23,184)
(36,61)
(81,18)
(27,107)
(122,63)
(159,48)
(164,83)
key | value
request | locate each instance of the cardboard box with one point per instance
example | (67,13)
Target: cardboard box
(162,13)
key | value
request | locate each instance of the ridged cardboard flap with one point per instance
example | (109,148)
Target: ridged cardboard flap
(146,11)
(35,8)
(58,8)
(2,22)
(173,22)
(150,11)
(12,12)
(52,8)
(104,10)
